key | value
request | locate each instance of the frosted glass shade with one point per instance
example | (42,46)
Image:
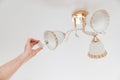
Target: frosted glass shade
(53,39)
(100,21)
(96,50)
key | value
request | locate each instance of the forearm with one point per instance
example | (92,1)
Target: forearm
(8,69)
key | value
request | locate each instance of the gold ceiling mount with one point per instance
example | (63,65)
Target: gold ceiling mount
(79,17)
(78,12)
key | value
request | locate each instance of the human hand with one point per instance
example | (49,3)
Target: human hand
(29,52)
(8,69)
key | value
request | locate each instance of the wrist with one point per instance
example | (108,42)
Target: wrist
(24,57)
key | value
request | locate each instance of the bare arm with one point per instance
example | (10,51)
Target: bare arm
(8,69)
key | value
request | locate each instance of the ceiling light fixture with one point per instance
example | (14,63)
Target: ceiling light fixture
(98,23)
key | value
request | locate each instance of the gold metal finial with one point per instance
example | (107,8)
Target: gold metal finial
(95,39)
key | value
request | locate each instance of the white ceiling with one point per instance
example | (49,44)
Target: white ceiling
(21,19)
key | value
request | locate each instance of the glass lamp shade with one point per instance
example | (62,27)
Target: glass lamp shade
(100,21)
(53,39)
(96,49)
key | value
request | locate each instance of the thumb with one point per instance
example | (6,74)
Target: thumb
(37,50)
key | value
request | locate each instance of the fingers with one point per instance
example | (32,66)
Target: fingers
(32,42)
(37,50)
